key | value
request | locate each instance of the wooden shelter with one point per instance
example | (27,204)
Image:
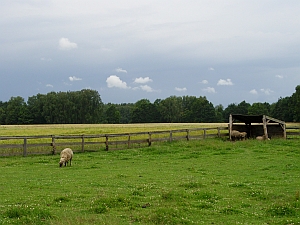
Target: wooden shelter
(257,125)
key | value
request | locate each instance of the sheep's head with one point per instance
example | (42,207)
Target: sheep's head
(61,162)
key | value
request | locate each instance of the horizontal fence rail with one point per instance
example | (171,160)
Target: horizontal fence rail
(292,132)
(52,144)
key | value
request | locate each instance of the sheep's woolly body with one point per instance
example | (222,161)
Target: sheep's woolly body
(262,138)
(66,155)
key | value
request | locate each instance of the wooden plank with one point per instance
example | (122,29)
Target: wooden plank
(292,133)
(126,142)
(39,145)
(22,137)
(94,143)
(12,146)
(67,143)
(275,120)
(160,139)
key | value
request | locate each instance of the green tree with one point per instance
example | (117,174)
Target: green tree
(283,109)
(171,109)
(35,106)
(3,106)
(125,110)
(259,109)
(144,112)
(203,111)
(295,104)
(17,111)
(187,111)
(219,109)
(243,108)
(91,106)
(49,108)
(112,114)
(230,109)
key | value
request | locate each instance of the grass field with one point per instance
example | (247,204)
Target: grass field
(68,129)
(211,181)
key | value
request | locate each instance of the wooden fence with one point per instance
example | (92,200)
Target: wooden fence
(292,132)
(52,144)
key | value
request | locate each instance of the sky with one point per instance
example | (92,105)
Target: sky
(229,51)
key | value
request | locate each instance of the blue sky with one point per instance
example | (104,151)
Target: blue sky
(228,51)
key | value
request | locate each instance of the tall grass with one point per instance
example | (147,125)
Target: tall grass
(209,181)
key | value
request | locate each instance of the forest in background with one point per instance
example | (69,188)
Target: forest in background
(86,107)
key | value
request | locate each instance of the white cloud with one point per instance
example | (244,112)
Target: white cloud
(204,82)
(142,80)
(266,91)
(225,82)
(49,85)
(67,84)
(180,89)
(120,70)
(46,59)
(211,69)
(146,88)
(74,78)
(209,90)
(253,91)
(65,44)
(279,76)
(115,81)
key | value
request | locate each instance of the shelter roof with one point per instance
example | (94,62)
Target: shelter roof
(248,119)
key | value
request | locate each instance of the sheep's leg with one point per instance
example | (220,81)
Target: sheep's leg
(70,161)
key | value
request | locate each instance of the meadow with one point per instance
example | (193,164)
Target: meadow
(77,129)
(211,181)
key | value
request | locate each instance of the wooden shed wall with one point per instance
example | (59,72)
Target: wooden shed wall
(254,130)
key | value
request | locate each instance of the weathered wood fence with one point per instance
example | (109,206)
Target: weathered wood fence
(292,132)
(52,144)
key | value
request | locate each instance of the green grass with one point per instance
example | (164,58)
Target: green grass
(209,181)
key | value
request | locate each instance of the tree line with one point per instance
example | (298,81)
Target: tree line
(86,107)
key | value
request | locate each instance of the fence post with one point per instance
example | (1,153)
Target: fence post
(53,145)
(265,127)
(219,132)
(187,134)
(170,138)
(82,143)
(128,143)
(204,133)
(106,142)
(25,147)
(149,139)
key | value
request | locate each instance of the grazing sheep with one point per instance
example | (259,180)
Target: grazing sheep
(262,138)
(66,155)
(235,135)
(243,135)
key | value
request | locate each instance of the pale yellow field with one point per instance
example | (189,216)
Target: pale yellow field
(78,129)
(64,129)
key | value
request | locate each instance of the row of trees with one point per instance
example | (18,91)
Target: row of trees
(86,107)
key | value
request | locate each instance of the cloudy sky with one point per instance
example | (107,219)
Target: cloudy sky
(228,51)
